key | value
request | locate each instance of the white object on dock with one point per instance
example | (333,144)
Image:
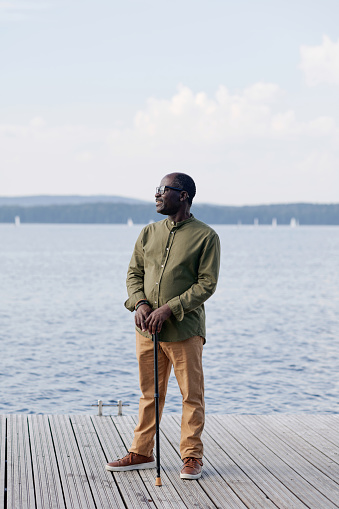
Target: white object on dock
(119,404)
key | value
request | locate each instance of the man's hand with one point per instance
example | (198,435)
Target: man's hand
(141,315)
(157,317)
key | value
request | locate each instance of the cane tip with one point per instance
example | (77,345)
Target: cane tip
(158,481)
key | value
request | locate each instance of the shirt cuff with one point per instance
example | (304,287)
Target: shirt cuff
(176,308)
(131,302)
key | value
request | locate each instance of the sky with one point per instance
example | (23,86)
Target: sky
(106,97)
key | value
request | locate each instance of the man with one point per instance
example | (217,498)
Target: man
(173,271)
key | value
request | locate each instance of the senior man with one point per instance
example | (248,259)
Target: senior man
(173,271)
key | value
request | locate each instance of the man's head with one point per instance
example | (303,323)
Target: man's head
(185,182)
(170,201)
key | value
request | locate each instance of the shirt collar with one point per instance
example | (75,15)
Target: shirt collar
(171,224)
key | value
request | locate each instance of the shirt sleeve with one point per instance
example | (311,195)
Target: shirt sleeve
(135,276)
(207,277)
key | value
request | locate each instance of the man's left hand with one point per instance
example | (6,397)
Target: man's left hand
(157,317)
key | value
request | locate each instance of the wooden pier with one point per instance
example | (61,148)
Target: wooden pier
(267,461)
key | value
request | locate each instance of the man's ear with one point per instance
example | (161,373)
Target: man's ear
(184,195)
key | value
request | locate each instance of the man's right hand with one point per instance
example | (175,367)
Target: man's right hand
(141,314)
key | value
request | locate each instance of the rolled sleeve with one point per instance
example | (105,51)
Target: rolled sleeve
(176,308)
(131,301)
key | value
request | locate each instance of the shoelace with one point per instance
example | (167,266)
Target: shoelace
(129,456)
(190,462)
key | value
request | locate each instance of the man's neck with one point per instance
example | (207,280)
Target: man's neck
(180,216)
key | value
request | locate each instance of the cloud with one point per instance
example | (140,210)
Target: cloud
(37,122)
(84,157)
(321,63)
(225,118)
(243,147)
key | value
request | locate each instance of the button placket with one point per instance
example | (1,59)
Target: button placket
(166,254)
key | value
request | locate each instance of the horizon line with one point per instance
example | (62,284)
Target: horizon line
(145,202)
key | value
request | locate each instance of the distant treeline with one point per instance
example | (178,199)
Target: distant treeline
(109,213)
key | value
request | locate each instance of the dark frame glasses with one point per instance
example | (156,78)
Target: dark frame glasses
(162,189)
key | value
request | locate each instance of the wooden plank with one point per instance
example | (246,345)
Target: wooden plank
(132,489)
(308,451)
(322,428)
(272,464)
(104,488)
(331,420)
(20,487)
(328,425)
(72,473)
(283,464)
(46,476)
(2,459)
(254,483)
(291,453)
(211,481)
(304,429)
(190,492)
(327,428)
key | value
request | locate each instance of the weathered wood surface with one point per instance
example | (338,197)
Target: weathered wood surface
(2,459)
(267,461)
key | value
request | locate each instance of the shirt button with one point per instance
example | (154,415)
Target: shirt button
(155,302)
(166,248)
(162,265)
(156,283)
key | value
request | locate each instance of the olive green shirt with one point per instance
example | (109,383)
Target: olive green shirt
(177,264)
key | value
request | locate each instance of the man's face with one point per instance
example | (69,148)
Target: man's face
(169,202)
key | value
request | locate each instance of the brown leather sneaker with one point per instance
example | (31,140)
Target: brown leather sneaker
(131,461)
(191,468)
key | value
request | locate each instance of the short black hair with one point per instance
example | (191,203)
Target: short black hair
(185,182)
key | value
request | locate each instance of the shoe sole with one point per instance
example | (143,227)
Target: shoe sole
(141,466)
(190,476)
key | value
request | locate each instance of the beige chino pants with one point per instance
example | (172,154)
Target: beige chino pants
(186,358)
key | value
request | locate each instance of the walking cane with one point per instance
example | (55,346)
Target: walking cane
(156,400)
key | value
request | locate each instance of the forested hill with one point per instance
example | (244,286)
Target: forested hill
(109,213)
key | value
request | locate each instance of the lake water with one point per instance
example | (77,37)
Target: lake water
(66,340)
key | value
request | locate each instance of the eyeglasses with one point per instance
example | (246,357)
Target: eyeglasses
(162,189)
